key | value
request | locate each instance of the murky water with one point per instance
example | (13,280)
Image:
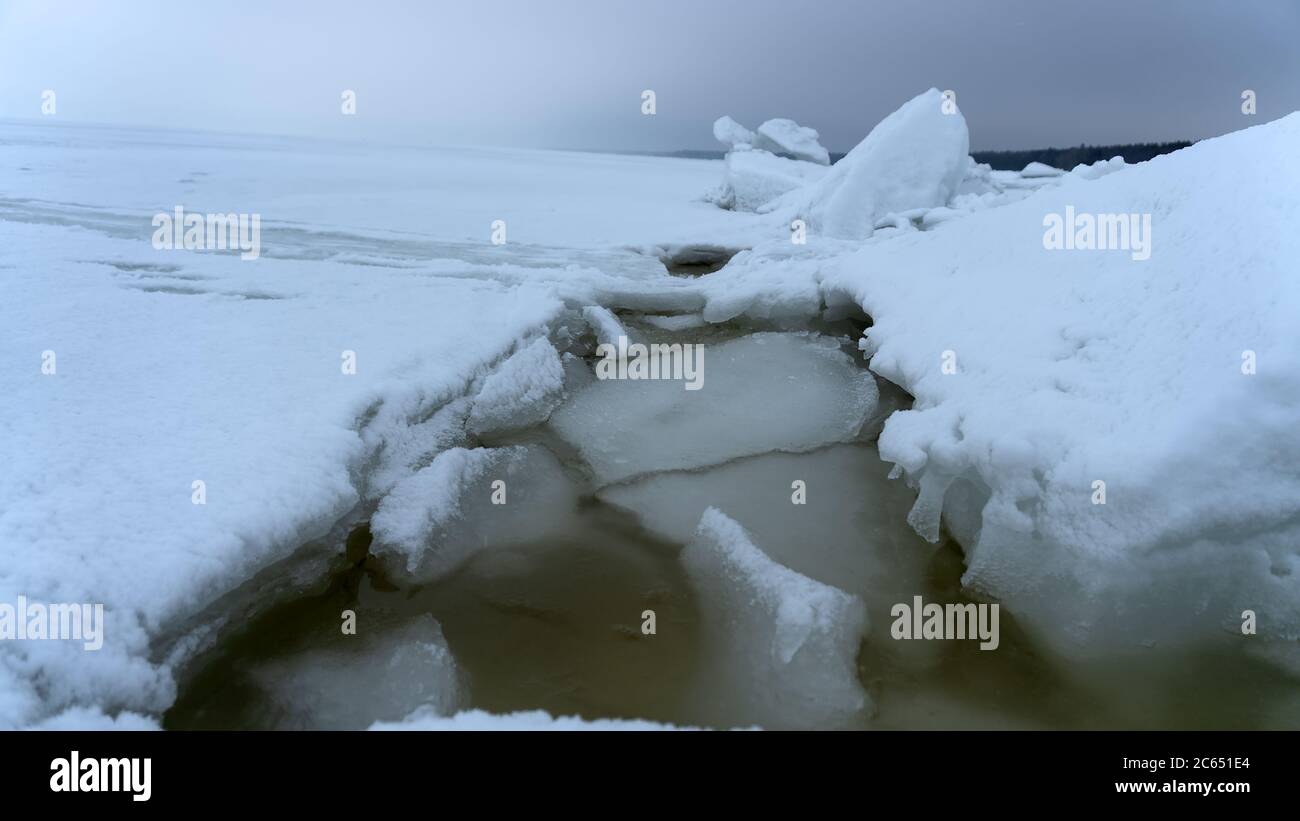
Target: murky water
(556,624)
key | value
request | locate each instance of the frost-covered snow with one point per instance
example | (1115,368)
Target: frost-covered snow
(782,647)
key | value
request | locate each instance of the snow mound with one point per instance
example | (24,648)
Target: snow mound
(441,515)
(732,134)
(788,138)
(914,158)
(389,674)
(784,646)
(1172,380)
(1038,169)
(521,393)
(627,427)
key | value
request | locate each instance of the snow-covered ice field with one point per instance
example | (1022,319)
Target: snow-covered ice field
(226,453)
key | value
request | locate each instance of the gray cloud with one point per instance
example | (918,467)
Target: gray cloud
(570,73)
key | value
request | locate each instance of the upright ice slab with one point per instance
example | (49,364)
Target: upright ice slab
(781,648)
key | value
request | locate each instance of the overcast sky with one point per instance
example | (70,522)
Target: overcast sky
(570,73)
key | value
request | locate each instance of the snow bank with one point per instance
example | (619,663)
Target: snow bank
(788,138)
(162,382)
(782,648)
(179,367)
(1077,366)
(914,158)
(1085,366)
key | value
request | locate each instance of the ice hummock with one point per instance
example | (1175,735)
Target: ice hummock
(789,139)
(625,427)
(914,158)
(782,649)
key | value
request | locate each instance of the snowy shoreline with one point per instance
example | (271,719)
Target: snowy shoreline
(174,367)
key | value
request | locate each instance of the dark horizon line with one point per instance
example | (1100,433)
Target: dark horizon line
(1012,159)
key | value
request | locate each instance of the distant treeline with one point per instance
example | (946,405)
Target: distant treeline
(1065,158)
(1068,158)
